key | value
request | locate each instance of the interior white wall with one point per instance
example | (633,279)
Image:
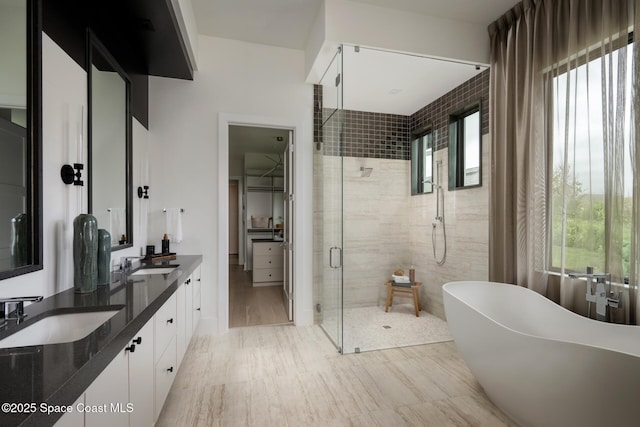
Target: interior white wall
(241,82)
(64,96)
(363,24)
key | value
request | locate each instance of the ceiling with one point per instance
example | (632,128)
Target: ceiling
(286,23)
(389,82)
(374,81)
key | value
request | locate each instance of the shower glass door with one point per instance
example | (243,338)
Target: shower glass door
(328,202)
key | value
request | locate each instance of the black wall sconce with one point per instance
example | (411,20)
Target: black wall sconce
(143,194)
(72,174)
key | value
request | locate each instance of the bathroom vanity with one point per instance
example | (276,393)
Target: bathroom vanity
(119,374)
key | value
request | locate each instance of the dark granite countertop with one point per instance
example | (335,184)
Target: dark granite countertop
(57,374)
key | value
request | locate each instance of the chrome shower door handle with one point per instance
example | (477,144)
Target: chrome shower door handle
(332,251)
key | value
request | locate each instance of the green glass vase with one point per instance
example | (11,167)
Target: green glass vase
(85,253)
(104,257)
(19,240)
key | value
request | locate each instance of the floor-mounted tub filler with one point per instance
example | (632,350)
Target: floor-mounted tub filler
(542,364)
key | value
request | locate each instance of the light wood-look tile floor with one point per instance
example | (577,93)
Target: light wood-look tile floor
(293,376)
(249,306)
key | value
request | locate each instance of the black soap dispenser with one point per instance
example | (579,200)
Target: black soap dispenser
(165,244)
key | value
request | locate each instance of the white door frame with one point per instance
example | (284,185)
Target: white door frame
(224,121)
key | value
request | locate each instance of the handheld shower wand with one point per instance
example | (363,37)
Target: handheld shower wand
(439,218)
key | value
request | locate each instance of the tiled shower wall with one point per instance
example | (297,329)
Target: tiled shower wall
(384,226)
(388,136)
(437,114)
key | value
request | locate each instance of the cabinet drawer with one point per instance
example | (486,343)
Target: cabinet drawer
(165,325)
(268,261)
(165,373)
(266,248)
(268,274)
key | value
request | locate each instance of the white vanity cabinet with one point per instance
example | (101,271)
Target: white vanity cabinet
(184,301)
(188,311)
(141,377)
(189,308)
(197,297)
(123,393)
(132,389)
(166,363)
(110,388)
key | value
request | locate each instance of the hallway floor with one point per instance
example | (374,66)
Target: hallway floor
(293,376)
(249,306)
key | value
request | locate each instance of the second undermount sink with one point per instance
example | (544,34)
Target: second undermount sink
(58,328)
(153,270)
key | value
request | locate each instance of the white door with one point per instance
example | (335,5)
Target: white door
(289,200)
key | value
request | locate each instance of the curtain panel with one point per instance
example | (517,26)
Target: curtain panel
(543,60)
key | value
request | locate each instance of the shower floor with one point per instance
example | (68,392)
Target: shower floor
(370,328)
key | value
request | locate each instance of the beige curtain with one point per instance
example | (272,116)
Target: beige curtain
(564,166)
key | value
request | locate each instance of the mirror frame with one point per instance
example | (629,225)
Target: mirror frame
(94,43)
(33,25)
(456,174)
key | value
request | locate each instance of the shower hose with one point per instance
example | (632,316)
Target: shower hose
(439,219)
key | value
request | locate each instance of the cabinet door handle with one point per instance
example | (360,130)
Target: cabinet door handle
(138,340)
(170,369)
(131,348)
(170,320)
(198,308)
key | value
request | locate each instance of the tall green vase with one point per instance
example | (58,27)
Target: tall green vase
(85,253)
(104,257)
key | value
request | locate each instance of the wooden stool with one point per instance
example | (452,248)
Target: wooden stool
(403,292)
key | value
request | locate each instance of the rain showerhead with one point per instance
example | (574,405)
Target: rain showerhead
(364,172)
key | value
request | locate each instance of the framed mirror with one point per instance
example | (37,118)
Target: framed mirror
(110,194)
(422,163)
(20,138)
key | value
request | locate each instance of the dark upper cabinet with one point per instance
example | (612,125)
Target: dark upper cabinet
(142,35)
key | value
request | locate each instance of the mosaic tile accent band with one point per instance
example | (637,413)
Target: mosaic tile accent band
(388,136)
(438,113)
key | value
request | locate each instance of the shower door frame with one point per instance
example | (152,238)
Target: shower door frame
(332,197)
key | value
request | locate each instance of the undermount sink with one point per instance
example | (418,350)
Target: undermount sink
(153,270)
(57,329)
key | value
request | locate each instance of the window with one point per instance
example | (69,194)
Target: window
(465,152)
(422,163)
(580,205)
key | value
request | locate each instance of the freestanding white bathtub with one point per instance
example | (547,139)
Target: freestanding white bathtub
(542,364)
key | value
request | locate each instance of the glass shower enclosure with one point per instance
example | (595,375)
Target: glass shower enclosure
(328,229)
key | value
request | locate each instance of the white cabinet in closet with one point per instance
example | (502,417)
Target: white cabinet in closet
(268,263)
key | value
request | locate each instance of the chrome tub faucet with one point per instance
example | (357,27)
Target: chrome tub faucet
(603,297)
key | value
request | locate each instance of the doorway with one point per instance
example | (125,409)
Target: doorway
(260,277)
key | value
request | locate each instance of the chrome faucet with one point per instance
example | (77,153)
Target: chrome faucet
(603,297)
(13,308)
(125,263)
